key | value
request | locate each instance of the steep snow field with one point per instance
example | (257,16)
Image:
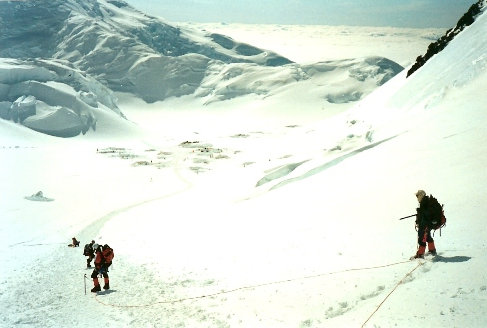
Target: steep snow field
(251,212)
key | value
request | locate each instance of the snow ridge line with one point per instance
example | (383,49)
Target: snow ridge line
(263,285)
(392,291)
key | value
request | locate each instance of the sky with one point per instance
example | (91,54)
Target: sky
(397,13)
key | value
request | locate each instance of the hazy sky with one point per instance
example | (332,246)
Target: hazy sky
(401,13)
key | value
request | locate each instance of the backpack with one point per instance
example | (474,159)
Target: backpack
(108,254)
(437,218)
(87,250)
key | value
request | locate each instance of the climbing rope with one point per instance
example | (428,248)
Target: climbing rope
(392,291)
(252,287)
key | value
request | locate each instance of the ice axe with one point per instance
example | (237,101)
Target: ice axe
(407,217)
(84,279)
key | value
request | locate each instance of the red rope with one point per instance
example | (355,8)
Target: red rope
(397,285)
(251,287)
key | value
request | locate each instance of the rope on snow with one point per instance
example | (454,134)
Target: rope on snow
(392,291)
(262,285)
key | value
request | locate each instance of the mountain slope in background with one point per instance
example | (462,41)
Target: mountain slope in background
(82,52)
(120,46)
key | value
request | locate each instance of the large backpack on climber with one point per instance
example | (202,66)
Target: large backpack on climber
(107,253)
(87,250)
(437,214)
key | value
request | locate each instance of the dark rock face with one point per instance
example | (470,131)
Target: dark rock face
(467,19)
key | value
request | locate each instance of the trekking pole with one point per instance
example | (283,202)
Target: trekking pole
(84,279)
(407,217)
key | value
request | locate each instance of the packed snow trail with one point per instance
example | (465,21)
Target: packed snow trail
(243,288)
(52,294)
(92,230)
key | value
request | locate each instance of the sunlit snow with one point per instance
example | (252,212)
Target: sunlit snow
(265,197)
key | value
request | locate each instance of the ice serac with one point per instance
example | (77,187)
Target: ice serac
(32,91)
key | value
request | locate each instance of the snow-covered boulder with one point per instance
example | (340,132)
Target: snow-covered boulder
(39,197)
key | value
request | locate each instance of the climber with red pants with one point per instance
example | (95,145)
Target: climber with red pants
(103,260)
(424,226)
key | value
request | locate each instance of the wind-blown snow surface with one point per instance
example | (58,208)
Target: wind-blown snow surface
(237,221)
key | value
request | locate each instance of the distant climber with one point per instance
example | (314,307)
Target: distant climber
(74,243)
(89,251)
(103,260)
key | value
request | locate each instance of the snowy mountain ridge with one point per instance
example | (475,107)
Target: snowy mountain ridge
(116,44)
(95,48)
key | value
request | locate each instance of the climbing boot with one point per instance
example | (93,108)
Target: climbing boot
(419,253)
(107,284)
(97,286)
(431,248)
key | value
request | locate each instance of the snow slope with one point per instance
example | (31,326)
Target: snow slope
(231,223)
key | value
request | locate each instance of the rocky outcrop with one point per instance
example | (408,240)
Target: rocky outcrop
(467,19)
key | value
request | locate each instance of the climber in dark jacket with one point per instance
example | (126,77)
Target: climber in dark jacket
(423,217)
